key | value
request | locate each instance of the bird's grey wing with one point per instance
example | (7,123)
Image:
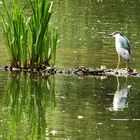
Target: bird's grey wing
(125,43)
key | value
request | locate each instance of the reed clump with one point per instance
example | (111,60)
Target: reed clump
(30,40)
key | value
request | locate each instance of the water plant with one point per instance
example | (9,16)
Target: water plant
(30,40)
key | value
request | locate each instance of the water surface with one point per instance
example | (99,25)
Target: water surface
(64,107)
(70,107)
(84,25)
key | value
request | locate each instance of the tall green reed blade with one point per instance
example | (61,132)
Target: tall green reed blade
(33,33)
(51,42)
(54,38)
(43,28)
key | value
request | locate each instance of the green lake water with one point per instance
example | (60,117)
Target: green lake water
(70,107)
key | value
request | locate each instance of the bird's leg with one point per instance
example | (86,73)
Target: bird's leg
(118,63)
(127,66)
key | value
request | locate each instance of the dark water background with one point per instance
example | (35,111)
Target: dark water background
(70,107)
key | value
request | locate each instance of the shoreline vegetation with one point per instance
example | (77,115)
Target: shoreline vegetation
(29,37)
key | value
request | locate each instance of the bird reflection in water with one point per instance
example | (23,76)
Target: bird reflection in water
(121,96)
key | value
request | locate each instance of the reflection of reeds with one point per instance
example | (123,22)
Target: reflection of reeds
(28,98)
(30,41)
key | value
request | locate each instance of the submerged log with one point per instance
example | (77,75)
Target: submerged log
(79,71)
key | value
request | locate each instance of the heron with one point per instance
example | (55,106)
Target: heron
(123,48)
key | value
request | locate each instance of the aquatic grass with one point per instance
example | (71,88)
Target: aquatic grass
(42,33)
(49,53)
(14,32)
(30,40)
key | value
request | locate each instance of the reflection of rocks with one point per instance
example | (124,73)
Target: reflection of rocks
(120,98)
(80,71)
